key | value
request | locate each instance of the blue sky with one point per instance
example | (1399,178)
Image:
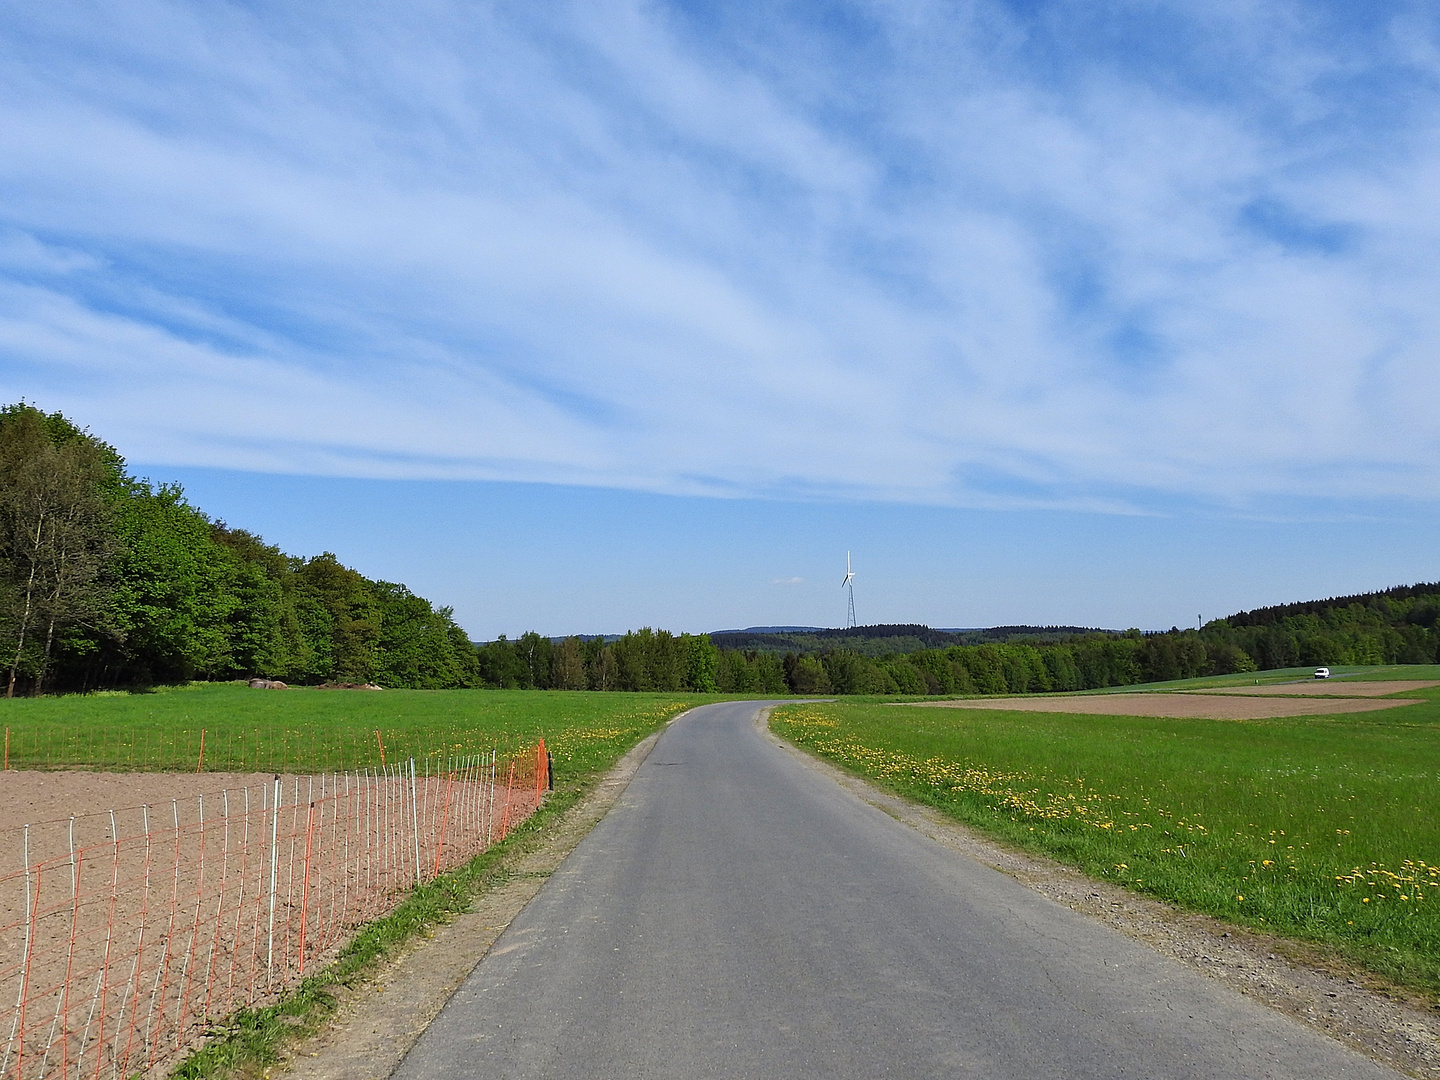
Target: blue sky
(586,316)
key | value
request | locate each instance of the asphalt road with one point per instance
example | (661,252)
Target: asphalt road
(737,914)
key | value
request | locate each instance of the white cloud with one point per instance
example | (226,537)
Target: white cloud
(599,245)
(22,252)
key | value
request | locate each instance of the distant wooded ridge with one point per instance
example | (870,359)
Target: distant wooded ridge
(888,639)
(1268,616)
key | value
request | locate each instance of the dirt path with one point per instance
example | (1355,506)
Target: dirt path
(380,1020)
(1396,1029)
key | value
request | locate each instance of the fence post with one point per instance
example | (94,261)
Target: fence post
(102,982)
(444,820)
(162,977)
(351,811)
(415,820)
(274,878)
(219,904)
(17,1027)
(199,765)
(382,746)
(240,904)
(62,1007)
(305,886)
(490,813)
(509,789)
(132,992)
(187,970)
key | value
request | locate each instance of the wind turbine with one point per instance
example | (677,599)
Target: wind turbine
(849,583)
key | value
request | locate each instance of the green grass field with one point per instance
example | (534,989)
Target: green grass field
(325,730)
(1322,829)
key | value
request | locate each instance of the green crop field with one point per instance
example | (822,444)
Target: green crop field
(303,730)
(1322,829)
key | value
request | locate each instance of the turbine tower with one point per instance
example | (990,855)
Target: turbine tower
(849,584)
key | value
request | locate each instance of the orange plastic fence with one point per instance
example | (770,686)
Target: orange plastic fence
(124,935)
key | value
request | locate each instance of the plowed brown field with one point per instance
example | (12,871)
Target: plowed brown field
(1179,706)
(1321,688)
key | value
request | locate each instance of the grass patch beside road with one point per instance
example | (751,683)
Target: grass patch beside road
(305,730)
(1322,829)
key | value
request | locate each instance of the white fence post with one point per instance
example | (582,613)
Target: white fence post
(274,877)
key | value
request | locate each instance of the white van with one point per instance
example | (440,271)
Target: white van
(1322,673)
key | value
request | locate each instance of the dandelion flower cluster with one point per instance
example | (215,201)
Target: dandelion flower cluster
(1015,792)
(1407,885)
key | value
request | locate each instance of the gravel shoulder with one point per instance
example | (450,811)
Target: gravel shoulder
(1389,1025)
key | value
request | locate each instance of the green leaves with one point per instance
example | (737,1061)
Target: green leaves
(110,581)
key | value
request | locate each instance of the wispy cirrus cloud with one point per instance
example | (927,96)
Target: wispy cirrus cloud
(979,254)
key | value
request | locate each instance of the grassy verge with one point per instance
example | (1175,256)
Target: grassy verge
(252,1039)
(305,730)
(1324,829)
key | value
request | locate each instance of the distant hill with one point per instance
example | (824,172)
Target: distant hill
(773,630)
(1268,616)
(889,639)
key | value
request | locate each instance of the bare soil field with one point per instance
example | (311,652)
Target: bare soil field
(125,930)
(1322,688)
(32,796)
(1178,706)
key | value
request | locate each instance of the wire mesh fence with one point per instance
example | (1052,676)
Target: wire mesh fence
(125,934)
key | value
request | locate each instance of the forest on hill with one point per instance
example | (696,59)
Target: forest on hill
(106,581)
(890,639)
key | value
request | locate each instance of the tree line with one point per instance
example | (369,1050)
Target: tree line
(657,660)
(111,581)
(107,580)
(1397,627)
